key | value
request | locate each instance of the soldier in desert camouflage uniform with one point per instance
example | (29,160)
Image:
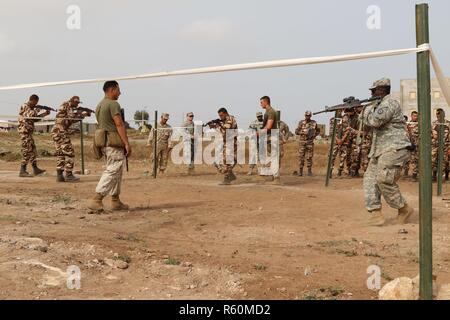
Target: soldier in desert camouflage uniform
(413,132)
(365,148)
(26,129)
(353,153)
(65,154)
(307,131)
(227,122)
(343,139)
(390,151)
(163,143)
(435,143)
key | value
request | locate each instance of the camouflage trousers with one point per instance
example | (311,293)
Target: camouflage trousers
(305,152)
(229,159)
(381,179)
(340,151)
(65,153)
(364,161)
(414,161)
(434,158)
(272,162)
(162,156)
(111,179)
(355,158)
(28,149)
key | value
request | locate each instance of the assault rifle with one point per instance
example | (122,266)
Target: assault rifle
(45,108)
(212,122)
(349,103)
(82,109)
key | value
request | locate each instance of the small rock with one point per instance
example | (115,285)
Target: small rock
(165,211)
(54,222)
(119,264)
(187,264)
(403,231)
(81,217)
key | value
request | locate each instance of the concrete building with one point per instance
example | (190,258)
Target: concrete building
(408,97)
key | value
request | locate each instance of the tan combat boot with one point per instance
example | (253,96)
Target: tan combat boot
(96,203)
(376,218)
(404,214)
(117,205)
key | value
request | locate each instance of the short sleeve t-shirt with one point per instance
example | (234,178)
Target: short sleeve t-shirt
(105,112)
(270,114)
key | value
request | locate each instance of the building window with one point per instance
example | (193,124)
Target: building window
(412,95)
(437,94)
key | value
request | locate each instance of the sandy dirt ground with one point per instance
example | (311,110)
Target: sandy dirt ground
(186,237)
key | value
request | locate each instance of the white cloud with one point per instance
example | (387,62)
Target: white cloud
(6,44)
(214,29)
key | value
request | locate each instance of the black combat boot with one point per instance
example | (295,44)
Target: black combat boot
(339,173)
(434,176)
(414,177)
(59,176)
(23,172)
(300,172)
(71,178)
(36,170)
(310,172)
(226,181)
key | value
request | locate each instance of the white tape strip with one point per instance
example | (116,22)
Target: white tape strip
(235,67)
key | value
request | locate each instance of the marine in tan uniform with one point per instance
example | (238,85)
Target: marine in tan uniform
(189,130)
(163,143)
(340,149)
(27,117)
(108,113)
(435,144)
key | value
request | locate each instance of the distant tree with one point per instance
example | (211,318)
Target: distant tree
(139,116)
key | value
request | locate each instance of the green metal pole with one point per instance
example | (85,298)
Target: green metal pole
(330,152)
(425,183)
(440,154)
(82,146)
(155,143)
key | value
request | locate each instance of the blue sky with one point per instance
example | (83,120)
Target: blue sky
(132,37)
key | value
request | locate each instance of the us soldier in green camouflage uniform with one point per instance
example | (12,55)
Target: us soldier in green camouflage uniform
(26,130)
(413,131)
(307,131)
(163,143)
(387,157)
(65,154)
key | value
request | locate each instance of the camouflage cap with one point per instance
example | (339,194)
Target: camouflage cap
(165,116)
(383,82)
(189,114)
(308,113)
(259,114)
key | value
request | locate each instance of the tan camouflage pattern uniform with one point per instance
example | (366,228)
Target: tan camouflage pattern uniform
(344,133)
(388,154)
(435,145)
(61,132)
(306,144)
(223,126)
(365,148)
(284,137)
(163,144)
(413,131)
(26,130)
(353,159)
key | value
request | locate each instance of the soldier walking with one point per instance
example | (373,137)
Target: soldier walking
(387,157)
(29,111)
(109,118)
